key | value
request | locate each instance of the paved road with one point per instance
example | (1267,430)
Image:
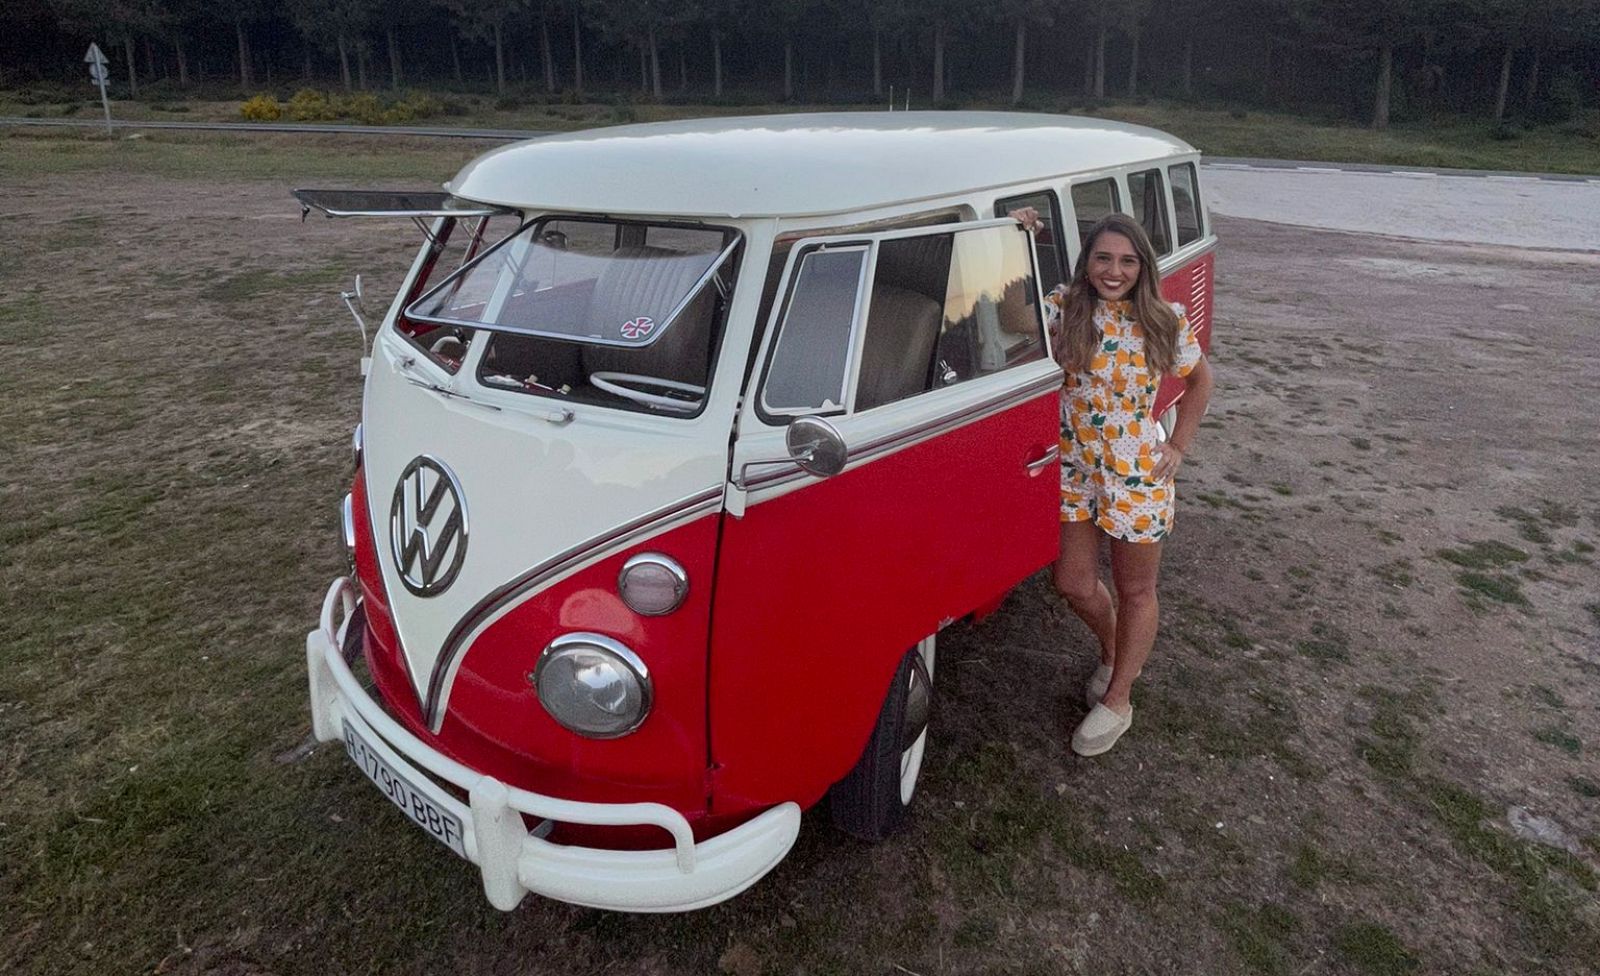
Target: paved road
(1504,209)
(1542,210)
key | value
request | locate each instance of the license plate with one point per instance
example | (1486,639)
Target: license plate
(441,824)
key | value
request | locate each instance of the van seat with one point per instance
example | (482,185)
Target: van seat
(897,354)
(651,280)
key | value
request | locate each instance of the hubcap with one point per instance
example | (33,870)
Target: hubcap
(914,724)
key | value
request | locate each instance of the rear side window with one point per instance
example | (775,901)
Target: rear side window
(948,308)
(1090,202)
(1148,204)
(1186,203)
(1047,243)
(808,370)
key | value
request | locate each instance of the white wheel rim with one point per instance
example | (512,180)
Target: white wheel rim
(911,758)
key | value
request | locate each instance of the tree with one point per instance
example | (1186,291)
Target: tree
(118,21)
(334,24)
(487,19)
(1023,14)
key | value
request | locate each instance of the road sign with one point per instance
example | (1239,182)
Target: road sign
(99,74)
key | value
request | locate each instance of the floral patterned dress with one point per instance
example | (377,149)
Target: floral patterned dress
(1108,435)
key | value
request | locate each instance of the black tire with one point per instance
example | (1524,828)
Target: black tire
(866,803)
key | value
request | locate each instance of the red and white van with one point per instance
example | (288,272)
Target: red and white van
(680,444)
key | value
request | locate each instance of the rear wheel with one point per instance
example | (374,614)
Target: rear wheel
(871,802)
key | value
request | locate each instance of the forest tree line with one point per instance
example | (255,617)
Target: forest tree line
(1360,57)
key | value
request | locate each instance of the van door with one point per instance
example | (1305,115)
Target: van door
(925,349)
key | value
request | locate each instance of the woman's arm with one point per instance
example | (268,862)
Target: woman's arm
(1197,387)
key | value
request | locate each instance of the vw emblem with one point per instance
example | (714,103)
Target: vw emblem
(428,526)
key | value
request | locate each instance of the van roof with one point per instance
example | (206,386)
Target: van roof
(799,165)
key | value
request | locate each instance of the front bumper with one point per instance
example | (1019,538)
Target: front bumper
(515,861)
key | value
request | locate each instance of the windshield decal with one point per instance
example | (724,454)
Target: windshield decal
(638,328)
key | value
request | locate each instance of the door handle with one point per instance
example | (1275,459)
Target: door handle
(1038,464)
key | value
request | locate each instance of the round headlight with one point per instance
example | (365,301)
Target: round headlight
(652,584)
(593,685)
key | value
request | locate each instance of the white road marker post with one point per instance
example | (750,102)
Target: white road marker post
(99,74)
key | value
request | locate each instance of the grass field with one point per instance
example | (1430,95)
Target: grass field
(1380,633)
(1457,142)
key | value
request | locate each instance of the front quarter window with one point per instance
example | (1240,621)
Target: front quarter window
(809,367)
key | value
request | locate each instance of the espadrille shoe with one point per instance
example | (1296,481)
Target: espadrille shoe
(1100,730)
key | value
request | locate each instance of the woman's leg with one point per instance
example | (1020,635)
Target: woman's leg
(1134,568)
(1077,578)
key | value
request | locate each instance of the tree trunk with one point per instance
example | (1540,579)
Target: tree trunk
(1133,63)
(246,76)
(716,63)
(546,53)
(150,58)
(361,64)
(938,63)
(1380,105)
(499,61)
(1019,59)
(1100,62)
(683,70)
(655,66)
(305,63)
(1532,94)
(1266,74)
(1188,67)
(455,59)
(133,75)
(577,51)
(788,70)
(877,64)
(344,61)
(1088,69)
(1505,82)
(394,57)
(183,62)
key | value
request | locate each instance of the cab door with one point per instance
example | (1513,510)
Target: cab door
(925,349)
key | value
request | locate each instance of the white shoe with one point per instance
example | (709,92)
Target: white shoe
(1098,683)
(1100,730)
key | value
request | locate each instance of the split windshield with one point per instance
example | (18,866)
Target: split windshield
(620,313)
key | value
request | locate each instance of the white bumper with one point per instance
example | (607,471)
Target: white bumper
(514,861)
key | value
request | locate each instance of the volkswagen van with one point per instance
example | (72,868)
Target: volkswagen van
(680,444)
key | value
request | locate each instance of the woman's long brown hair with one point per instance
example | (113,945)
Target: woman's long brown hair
(1079,340)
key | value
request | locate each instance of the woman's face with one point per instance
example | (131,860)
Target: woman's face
(1113,266)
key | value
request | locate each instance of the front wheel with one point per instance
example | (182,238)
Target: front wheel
(871,802)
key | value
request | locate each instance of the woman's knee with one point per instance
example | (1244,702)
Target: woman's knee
(1077,588)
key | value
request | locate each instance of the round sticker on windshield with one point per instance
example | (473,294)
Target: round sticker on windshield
(638,328)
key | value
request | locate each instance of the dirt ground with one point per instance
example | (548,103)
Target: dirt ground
(1380,650)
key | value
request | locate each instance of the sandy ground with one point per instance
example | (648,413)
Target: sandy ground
(1381,633)
(1504,210)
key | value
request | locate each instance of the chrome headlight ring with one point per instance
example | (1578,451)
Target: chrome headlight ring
(593,685)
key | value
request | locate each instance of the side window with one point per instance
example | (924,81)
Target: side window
(1186,203)
(1090,202)
(948,308)
(808,370)
(1047,243)
(1148,203)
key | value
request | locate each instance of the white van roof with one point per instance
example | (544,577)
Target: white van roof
(799,165)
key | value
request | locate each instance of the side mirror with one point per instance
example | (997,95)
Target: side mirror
(816,446)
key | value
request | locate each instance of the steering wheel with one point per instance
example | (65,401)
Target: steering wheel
(622,385)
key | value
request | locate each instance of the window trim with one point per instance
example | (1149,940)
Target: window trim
(1165,202)
(863,312)
(1202,222)
(798,253)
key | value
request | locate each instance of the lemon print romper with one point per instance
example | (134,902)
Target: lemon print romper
(1108,436)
